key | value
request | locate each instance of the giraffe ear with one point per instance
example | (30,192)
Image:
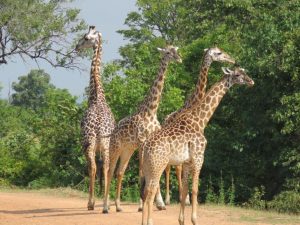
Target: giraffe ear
(226,70)
(205,50)
(176,48)
(161,49)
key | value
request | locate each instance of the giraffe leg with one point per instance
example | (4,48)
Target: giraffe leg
(90,156)
(184,192)
(160,205)
(105,173)
(141,204)
(145,193)
(178,174)
(197,165)
(113,158)
(124,159)
(150,198)
(195,178)
(167,171)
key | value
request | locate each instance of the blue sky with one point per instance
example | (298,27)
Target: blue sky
(108,17)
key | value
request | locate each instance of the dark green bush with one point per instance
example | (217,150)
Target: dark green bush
(286,202)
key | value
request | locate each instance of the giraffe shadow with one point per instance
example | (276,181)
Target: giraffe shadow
(61,212)
(45,210)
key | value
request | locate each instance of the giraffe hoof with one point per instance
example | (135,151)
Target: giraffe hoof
(105,211)
(140,210)
(90,207)
(119,210)
(161,207)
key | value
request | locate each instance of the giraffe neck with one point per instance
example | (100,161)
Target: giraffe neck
(151,102)
(206,108)
(96,89)
(199,92)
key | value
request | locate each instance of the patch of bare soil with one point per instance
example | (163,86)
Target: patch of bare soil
(23,208)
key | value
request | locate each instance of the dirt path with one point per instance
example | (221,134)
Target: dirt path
(22,208)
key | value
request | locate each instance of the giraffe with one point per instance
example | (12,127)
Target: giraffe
(98,121)
(210,55)
(183,142)
(132,131)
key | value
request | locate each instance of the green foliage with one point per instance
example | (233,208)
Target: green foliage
(41,147)
(256,200)
(221,199)
(248,134)
(211,197)
(253,136)
(38,30)
(286,202)
(31,89)
(231,193)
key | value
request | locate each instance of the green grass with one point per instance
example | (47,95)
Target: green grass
(60,192)
(238,214)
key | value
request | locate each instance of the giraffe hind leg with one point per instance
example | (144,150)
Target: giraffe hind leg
(179,174)
(124,159)
(90,156)
(184,192)
(167,197)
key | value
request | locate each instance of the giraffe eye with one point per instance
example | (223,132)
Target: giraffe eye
(219,53)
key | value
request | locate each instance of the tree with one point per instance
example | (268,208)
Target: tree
(41,147)
(39,30)
(31,89)
(247,137)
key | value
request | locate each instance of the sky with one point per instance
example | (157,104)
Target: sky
(108,16)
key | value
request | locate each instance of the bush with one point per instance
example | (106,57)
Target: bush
(211,197)
(256,200)
(286,202)
(42,182)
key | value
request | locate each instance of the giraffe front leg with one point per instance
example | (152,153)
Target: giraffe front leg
(90,156)
(167,171)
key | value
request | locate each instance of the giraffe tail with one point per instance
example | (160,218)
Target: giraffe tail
(142,187)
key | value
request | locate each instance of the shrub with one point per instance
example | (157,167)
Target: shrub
(286,202)
(256,200)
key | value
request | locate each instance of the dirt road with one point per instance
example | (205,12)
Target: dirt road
(34,208)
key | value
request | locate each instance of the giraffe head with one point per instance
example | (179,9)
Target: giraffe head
(89,40)
(171,54)
(217,54)
(238,76)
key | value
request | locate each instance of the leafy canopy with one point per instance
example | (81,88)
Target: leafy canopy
(39,30)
